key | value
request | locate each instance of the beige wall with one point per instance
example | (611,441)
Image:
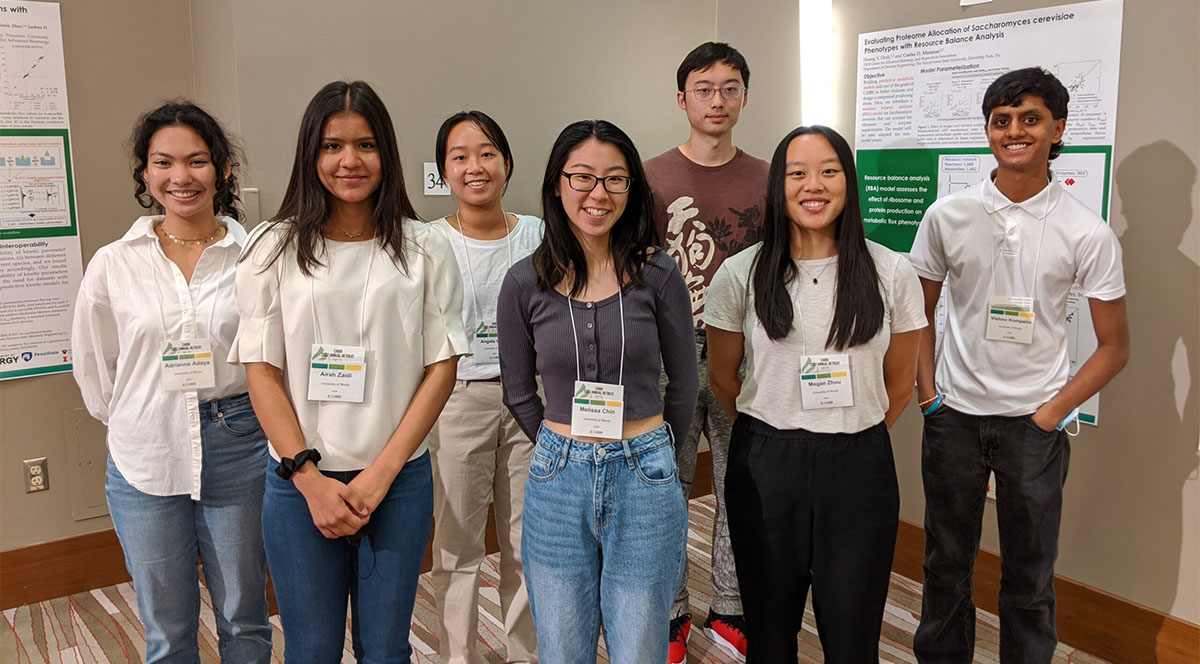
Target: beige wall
(1132,523)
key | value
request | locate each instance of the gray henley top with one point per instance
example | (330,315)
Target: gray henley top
(535,338)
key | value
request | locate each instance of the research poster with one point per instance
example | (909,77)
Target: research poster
(40,261)
(920,129)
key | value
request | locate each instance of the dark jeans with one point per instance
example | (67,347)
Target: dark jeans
(1030,466)
(812,509)
(315,576)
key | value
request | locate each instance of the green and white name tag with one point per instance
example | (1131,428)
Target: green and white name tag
(825,382)
(187,365)
(598,410)
(485,345)
(337,373)
(1010,318)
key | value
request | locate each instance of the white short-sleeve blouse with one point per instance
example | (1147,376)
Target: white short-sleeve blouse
(407,320)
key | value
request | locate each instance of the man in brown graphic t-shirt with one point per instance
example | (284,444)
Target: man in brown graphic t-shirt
(709,201)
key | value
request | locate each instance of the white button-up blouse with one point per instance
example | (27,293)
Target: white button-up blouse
(132,300)
(406,321)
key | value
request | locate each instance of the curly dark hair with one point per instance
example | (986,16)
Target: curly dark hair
(224,151)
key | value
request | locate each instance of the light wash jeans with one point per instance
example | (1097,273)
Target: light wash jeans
(162,535)
(314,576)
(604,543)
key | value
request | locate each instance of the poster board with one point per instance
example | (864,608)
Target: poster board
(40,258)
(919,126)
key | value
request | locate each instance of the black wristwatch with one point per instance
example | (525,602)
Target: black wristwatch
(288,467)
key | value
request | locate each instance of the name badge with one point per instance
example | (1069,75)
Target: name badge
(337,373)
(485,345)
(187,365)
(825,382)
(1010,318)
(598,410)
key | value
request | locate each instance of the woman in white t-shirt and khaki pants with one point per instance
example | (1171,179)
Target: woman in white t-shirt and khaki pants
(480,455)
(828,324)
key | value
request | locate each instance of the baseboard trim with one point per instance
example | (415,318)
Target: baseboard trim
(63,567)
(1095,621)
(77,564)
(1100,623)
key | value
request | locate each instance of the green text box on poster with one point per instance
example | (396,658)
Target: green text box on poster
(896,186)
(31,184)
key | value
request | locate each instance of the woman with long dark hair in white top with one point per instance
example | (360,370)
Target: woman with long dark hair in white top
(828,324)
(351,327)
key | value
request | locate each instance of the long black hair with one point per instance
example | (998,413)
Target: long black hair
(306,203)
(858,309)
(560,253)
(221,149)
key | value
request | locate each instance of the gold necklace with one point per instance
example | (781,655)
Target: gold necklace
(189,241)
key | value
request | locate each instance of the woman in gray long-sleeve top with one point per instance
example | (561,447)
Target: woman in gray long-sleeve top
(596,310)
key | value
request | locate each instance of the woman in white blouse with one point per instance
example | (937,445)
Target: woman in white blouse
(186,453)
(351,328)
(480,454)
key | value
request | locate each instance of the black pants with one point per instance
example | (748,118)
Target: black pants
(810,509)
(1030,465)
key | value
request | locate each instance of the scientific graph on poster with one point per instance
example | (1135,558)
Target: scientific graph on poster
(32,73)
(40,261)
(920,126)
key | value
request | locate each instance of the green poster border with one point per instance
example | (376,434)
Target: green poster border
(36,371)
(64,231)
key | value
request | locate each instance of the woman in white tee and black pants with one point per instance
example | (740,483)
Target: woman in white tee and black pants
(828,323)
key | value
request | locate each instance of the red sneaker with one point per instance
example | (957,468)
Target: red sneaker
(681,627)
(729,632)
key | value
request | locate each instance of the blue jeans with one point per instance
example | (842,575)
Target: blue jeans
(604,541)
(1030,465)
(162,535)
(314,576)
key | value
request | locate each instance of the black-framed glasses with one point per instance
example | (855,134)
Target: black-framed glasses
(730,92)
(613,184)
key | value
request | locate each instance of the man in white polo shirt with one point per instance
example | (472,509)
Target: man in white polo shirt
(997,398)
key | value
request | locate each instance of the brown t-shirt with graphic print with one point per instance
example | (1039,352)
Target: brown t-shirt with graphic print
(704,214)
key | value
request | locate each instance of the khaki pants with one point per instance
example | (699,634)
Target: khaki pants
(480,455)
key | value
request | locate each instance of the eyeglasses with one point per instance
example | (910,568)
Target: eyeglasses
(730,92)
(613,184)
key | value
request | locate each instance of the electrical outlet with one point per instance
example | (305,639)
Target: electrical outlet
(37,478)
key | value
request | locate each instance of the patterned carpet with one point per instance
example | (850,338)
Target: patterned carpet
(102,625)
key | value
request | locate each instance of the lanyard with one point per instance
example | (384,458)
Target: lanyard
(471,272)
(1037,263)
(575,338)
(362,319)
(162,321)
(800,309)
